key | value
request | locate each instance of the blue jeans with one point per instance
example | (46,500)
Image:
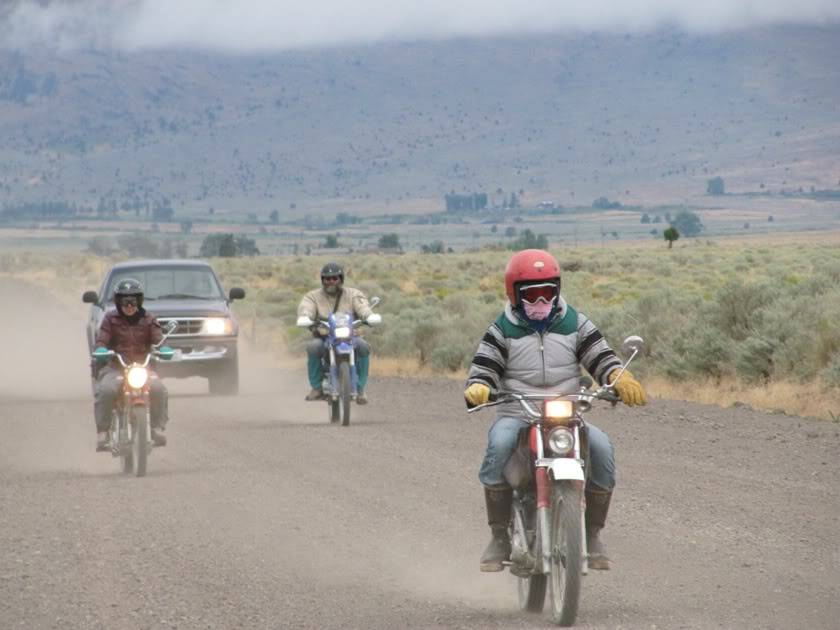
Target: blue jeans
(504,436)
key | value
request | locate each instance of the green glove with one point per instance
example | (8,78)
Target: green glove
(101,354)
(166,352)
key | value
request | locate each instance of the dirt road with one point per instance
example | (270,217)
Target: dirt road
(261,515)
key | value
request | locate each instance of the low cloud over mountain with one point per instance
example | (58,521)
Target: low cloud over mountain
(265,25)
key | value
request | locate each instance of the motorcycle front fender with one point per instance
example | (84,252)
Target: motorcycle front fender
(563,468)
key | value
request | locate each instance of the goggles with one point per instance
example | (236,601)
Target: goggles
(535,292)
(128,301)
(330,278)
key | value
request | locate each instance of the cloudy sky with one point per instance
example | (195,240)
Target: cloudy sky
(259,25)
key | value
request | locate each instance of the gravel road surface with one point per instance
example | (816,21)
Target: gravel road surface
(259,514)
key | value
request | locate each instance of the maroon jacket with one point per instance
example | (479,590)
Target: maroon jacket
(132,341)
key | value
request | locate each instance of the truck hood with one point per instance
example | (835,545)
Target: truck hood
(187,308)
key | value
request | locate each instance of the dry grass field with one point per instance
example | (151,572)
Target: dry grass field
(749,319)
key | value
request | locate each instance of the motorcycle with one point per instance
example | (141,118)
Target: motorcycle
(548,473)
(130,433)
(341,380)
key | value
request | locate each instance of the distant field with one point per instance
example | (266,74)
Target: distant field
(751,319)
(729,216)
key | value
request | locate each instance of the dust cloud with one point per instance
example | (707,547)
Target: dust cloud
(44,345)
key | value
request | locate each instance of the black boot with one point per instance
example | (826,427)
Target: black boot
(498,500)
(597,506)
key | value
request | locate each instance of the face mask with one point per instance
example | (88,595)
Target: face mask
(537,311)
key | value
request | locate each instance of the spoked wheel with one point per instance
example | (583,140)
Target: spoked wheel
(139,445)
(566,552)
(531,592)
(345,390)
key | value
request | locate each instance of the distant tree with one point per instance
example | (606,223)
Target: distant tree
(657,219)
(602,203)
(274,217)
(715,186)
(671,234)
(770,218)
(510,231)
(389,241)
(687,223)
(138,246)
(181,249)
(494,229)
(163,214)
(528,240)
(645,218)
(435,247)
(747,225)
(331,241)
(186,226)
(101,246)
(227,246)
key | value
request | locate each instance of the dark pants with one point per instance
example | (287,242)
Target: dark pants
(316,350)
(109,387)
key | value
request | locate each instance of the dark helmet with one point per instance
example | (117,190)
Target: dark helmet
(128,287)
(330,270)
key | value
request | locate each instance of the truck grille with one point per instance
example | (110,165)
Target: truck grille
(186,326)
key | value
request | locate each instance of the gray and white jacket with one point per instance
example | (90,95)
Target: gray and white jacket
(512,356)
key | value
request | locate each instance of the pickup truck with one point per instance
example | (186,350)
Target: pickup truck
(189,293)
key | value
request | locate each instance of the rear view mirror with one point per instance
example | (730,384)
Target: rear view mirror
(90,297)
(236,294)
(633,345)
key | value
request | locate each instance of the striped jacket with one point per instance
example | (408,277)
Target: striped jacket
(514,357)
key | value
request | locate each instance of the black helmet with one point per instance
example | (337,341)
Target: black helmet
(332,270)
(128,287)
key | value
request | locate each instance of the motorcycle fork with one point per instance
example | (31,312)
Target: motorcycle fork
(543,492)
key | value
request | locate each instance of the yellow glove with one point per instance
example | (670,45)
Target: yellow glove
(628,388)
(477,394)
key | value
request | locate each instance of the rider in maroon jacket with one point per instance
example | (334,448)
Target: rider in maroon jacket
(131,332)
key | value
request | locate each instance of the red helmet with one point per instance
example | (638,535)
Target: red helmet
(528,266)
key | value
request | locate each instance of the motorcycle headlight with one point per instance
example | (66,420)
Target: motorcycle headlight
(342,332)
(561,441)
(559,409)
(137,377)
(218,326)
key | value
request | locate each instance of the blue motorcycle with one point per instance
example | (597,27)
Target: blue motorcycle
(341,380)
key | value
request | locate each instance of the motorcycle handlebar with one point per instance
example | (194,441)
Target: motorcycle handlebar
(605,392)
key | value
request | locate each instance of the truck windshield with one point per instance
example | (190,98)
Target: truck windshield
(162,283)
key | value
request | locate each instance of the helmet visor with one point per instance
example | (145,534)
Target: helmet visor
(533,293)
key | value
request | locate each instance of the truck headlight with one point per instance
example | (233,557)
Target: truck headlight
(137,377)
(217,326)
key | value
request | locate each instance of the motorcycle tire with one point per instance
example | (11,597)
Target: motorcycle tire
(345,390)
(139,445)
(118,437)
(566,552)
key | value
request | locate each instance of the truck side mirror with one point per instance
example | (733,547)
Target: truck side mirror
(90,297)
(237,294)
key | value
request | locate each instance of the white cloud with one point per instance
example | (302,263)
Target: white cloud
(271,25)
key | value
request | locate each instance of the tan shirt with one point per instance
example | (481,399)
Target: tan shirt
(317,305)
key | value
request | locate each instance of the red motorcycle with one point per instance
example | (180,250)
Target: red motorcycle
(548,473)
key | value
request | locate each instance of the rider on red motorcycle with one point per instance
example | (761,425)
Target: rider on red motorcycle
(538,345)
(130,331)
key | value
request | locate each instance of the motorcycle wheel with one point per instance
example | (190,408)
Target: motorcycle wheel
(531,593)
(335,410)
(566,552)
(118,438)
(345,391)
(139,447)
